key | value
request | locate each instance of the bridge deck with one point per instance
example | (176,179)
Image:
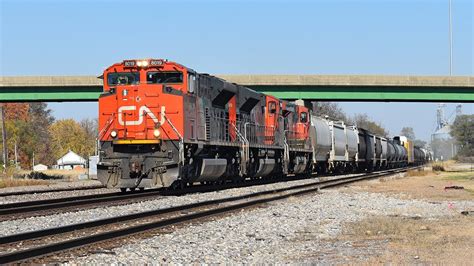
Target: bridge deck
(322,87)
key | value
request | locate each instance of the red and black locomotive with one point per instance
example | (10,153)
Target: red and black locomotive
(164,124)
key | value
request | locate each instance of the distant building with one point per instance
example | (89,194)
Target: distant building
(40,167)
(443,145)
(70,161)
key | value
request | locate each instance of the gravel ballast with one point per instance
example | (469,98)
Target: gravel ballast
(49,221)
(273,234)
(54,195)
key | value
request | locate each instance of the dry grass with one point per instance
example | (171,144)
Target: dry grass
(70,175)
(438,167)
(423,185)
(14,182)
(449,240)
(420,172)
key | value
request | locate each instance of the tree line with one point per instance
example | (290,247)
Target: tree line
(32,132)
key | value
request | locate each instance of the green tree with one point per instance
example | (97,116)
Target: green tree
(463,131)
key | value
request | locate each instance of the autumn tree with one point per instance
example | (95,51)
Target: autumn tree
(91,129)
(332,110)
(365,122)
(27,132)
(67,134)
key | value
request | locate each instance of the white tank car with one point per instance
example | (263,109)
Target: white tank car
(320,139)
(352,140)
(338,138)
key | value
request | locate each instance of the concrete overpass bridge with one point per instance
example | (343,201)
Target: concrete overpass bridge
(314,87)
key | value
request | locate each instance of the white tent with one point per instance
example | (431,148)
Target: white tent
(70,160)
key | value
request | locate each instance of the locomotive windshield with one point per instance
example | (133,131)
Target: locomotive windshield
(156,77)
(123,78)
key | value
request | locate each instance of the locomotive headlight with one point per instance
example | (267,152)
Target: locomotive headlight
(142,63)
(113,134)
(156,132)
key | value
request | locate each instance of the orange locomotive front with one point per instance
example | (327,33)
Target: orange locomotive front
(140,121)
(162,124)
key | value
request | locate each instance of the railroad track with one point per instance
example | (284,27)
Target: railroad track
(19,193)
(127,225)
(18,210)
(42,207)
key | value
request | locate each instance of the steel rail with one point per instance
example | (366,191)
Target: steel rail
(65,203)
(19,193)
(48,249)
(58,203)
(64,199)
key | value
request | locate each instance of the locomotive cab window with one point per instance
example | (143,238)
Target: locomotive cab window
(156,77)
(272,107)
(304,117)
(123,78)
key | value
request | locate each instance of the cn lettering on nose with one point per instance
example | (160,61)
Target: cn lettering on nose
(143,111)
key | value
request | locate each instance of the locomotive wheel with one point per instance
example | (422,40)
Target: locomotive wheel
(123,189)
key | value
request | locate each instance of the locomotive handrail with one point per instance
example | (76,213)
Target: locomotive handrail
(286,152)
(102,132)
(181,140)
(245,150)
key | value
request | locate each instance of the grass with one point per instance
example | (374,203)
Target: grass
(459,176)
(15,178)
(15,182)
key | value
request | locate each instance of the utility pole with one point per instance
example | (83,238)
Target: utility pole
(4,138)
(450,41)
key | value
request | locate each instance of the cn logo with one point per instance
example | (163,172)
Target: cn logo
(143,111)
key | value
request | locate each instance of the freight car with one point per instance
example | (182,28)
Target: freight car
(163,124)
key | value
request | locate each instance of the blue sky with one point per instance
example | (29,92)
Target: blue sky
(405,37)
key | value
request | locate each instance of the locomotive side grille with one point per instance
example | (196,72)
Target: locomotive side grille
(226,125)
(208,124)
